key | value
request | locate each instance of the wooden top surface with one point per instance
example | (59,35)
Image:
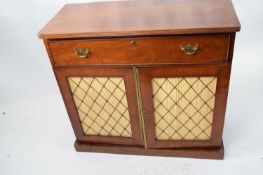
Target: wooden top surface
(144,17)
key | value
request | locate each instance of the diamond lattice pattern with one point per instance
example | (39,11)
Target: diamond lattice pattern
(102,105)
(183,107)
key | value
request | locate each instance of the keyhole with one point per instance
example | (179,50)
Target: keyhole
(133,43)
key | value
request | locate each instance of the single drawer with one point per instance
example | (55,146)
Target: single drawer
(154,50)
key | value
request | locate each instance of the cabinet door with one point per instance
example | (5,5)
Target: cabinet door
(101,103)
(184,106)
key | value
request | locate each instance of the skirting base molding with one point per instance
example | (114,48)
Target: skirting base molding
(201,153)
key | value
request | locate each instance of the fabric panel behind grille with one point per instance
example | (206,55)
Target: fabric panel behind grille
(183,107)
(102,105)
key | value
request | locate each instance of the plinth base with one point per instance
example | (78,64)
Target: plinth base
(203,153)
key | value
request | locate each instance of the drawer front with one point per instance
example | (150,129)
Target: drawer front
(156,50)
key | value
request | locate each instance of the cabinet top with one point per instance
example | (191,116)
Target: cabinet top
(150,17)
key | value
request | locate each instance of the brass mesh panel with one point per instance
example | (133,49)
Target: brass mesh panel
(183,107)
(102,105)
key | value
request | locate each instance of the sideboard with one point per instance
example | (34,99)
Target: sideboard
(145,77)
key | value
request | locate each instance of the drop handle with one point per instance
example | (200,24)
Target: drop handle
(82,52)
(189,49)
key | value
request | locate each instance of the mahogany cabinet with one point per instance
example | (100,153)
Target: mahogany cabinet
(146,77)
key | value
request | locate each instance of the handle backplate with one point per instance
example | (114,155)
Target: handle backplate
(82,52)
(189,49)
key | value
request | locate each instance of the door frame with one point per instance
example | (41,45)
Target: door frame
(222,72)
(62,73)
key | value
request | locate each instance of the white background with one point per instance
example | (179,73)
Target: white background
(36,137)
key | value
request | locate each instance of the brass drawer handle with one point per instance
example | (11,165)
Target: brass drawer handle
(189,49)
(82,52)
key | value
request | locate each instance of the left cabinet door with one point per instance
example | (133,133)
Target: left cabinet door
(101,103)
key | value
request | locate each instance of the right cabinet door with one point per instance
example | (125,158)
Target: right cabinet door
(184,106)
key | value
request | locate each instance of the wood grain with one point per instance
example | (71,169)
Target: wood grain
(151,17)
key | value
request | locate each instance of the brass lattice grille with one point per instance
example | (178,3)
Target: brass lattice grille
(102,105)
(183,107)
